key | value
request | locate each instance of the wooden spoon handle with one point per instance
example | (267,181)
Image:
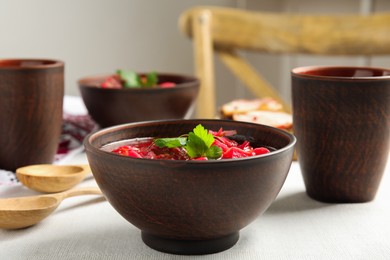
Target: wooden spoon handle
(79,191)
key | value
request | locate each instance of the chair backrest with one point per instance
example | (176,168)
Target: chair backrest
(225,31)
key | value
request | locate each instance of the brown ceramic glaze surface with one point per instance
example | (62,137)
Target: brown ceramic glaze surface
(110,107)
(31,96)
(341,120)
(190,207)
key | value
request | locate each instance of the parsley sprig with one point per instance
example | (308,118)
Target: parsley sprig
(133,80)
(197,143)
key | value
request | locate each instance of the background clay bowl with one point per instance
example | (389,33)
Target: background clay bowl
(110,107)
(190,207)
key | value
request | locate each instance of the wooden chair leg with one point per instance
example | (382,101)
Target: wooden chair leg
(249,76)
(204,64)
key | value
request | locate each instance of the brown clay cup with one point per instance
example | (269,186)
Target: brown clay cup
(31,97)
(341,118)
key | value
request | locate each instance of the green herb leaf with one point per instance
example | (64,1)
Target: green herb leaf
(203,134)
(200,144)
(151,80)
(195,146)
(171,142)
(214,152)
(130,79)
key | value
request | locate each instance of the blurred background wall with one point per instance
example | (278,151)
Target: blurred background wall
(99,36)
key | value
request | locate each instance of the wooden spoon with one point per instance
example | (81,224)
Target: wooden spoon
(52,178)
(23,212)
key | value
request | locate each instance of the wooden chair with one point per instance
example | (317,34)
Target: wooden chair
(225,31)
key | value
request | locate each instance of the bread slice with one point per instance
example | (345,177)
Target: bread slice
(242,106)
(276,119)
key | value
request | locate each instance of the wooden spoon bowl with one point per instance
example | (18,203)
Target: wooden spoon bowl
(22,212)
(52,178)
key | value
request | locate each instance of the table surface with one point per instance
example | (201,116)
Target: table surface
(293,227)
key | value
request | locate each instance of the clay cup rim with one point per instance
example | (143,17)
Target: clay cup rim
(342,73)
(29,64)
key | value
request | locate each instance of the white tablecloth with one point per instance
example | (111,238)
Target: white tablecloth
(294,227)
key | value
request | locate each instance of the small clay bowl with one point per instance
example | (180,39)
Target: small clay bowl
(109,107)
(190,207)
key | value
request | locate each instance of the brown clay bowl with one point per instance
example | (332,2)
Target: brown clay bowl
(190,207)
(109,107)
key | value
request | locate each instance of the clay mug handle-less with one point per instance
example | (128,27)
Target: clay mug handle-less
(341,118)
(31,98)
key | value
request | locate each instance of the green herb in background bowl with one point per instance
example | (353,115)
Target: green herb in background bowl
(124,79)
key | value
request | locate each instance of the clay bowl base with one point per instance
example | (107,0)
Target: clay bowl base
(340,199)
(190,247)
